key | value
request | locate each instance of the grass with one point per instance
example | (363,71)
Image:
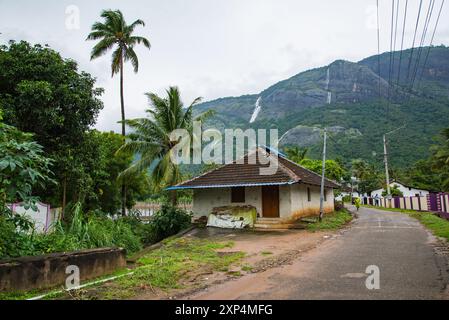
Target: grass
(438,226)
(266,253)
(165,267)
(331,221)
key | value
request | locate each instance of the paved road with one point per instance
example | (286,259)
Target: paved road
(408,256)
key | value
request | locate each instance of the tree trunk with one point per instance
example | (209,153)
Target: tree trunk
(122,101)
(64,198)
(174,198)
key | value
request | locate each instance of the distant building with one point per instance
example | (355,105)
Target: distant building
(407,191)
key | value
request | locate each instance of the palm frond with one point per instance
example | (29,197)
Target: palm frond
(116,60)
(130,55)
(102,47)
(138,40)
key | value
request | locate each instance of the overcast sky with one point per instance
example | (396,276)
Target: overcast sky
(212,48)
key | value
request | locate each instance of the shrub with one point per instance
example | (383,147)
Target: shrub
(169,220)
(145,231)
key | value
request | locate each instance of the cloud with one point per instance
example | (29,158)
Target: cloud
(210,48)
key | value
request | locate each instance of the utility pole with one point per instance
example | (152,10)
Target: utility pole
(322,177)
(387,175)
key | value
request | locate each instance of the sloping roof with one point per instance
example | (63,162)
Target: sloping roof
(246,172)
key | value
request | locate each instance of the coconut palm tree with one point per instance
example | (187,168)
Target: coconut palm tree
(115,34)
(151,137)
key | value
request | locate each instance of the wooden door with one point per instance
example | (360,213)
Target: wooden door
(270,201)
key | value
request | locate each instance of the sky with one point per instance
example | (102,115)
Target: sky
(213,48)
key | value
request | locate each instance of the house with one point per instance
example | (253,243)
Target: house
(290,193)
(346,191)
(406,190)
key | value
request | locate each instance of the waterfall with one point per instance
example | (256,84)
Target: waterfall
(329,94)
(256,111)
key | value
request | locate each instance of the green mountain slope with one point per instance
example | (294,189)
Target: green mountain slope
(344,97)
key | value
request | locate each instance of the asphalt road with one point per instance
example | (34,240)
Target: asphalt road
(412,264)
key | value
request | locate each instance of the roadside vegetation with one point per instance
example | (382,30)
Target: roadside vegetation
(176,265)
(332,221)
(88,231)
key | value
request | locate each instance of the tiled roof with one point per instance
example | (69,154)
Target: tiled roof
(246,172)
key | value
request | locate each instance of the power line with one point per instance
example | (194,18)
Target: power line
(402,41)
(390,66)
(414,38)
(378,50)
(395,31)
(431,40)
(423,38)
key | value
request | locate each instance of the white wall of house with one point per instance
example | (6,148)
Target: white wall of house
(204,200)
(302,207)
(406,191)
(293,200)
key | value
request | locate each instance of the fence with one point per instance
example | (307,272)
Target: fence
(43,217)
(435,202)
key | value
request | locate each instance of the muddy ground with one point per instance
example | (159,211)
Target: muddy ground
(264,250)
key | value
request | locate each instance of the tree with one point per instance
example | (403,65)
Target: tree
(46,95)
(106,187)
(115,33)
(296,154)
(333,170)
(151,138)
(395,192)
(368,177)
(22,167)
(92,176)
(432,173)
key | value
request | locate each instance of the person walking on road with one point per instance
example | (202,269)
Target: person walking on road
(357,203)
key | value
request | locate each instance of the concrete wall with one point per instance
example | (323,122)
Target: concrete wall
(293,201)
(48,271)
(301,207)
(204,200)
(410,203)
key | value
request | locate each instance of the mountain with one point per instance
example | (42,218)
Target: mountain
(345,97)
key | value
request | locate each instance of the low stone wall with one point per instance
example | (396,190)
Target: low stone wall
(28,273)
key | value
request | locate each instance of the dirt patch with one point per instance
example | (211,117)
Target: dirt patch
(264,250)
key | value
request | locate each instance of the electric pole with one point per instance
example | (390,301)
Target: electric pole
(387,175)
(322,177)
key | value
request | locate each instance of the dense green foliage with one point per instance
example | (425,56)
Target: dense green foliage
(433,172)
(86,231)
(46,95)
(23,166)
(334,170)
(169,221)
